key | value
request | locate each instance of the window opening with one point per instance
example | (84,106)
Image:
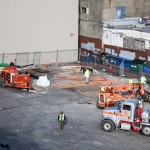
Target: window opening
(126,107)
(120,12)
(84,10)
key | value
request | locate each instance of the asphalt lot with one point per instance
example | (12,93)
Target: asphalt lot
(28,121)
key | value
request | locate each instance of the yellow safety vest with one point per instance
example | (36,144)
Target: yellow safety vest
(143,80)
(61,117)
(87,73)
(130,81)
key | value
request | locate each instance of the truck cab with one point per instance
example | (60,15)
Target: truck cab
(124,116)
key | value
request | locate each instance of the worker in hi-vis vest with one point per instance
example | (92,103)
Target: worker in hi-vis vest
(130,81)
(61,119)
(143,79)
(87,75)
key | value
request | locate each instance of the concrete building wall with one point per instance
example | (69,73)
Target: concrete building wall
(105,11)
(138,8)
(114,41)
(38,25)
(90,22)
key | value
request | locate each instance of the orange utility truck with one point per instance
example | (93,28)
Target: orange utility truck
(108,96)
(11,77)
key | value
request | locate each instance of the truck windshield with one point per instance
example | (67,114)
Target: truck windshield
(126,107)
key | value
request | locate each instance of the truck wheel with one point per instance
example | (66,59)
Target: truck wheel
(97,103)
(146,97)
(108,125)
(137,94)
(146,130)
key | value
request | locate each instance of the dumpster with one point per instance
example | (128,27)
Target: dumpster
(119,61)
(138,65)
(147,69)
(127,62)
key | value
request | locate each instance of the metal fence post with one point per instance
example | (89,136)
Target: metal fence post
(36,58)
(57,57)
(16,59)
(3,57)
(79,54)
(140,71)
(103,64)
(28,59)
(110,67)
(121,69)
(95,59)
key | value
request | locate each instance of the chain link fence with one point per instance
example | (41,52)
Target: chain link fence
(37,58)
(95,58)
(101,61)
(21,59)
(113,65)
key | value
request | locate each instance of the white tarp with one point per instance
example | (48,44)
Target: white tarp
(43,81)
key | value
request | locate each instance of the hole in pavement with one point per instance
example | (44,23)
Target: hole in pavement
(71,89)
(88,102)
(81,103)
